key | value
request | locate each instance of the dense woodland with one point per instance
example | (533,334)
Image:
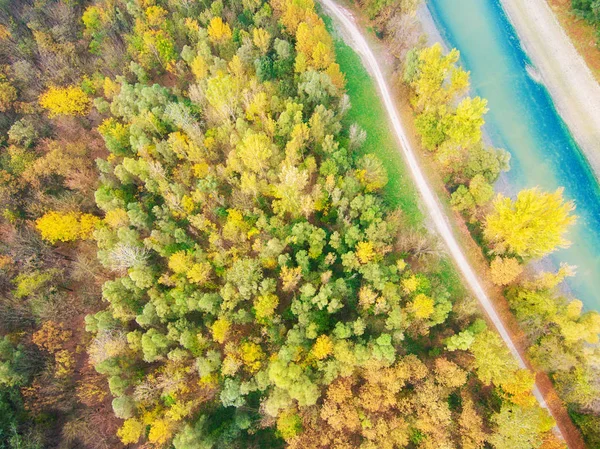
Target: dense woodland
(512,232)
(196,251)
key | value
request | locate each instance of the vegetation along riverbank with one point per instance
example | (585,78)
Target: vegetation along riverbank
(432,128)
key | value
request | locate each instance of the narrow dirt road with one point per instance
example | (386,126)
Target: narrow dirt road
(440,221)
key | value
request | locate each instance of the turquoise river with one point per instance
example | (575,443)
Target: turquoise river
(522,119)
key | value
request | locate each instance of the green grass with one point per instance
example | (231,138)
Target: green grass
(369,113)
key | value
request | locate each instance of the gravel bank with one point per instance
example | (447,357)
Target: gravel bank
(563,71)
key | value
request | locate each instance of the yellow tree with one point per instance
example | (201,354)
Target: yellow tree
(438,79)
(219,31)
(8,94)
(261,39)
(323,347)
(472,432)
(255,150)
(70,100)
(463,128)
(295,11)
(66,227)
(131,431)
(422,306)
(531,226)
(505,270)
(315,43)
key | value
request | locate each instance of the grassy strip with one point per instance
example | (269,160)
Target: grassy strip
(368,112)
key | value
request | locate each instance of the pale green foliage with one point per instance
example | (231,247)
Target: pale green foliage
(123,406)
(493,361)
(520,427)
(462,341)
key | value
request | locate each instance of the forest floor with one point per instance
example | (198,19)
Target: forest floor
(453,230)
(570,81)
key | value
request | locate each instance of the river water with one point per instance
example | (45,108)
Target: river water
(523,120)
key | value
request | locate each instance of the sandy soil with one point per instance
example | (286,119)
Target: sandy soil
(572,85)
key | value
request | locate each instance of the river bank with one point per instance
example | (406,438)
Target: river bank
(562,69)
(438,211)
(524,120)
(556,64)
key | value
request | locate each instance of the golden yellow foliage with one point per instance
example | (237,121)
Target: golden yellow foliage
(236,67)
(51,336)
(295,11)
(261,39)
(410,284)
(70,100)
(110,87)
(116,218)
(192,24)
(199,67)
(322,348)
(505,270)
(218,31)
(64,363)
(131,431)
(518,388)
(365,252)
(439,79)
(180,410)
(220,329)
(156,15)
(4,33)
(551,441)
(337,77)
(289,424)
(252,356)
(160,431)
(8,95)
(316,44)
(255,150)
(66,227)
(531,226)
(87,225)
(180,262)
(265,305)
(422,306)
(91,390)
(199,273)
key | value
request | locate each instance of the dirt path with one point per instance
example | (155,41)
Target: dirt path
(354,37)
(564,72)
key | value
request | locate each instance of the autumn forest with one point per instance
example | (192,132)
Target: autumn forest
(199,248)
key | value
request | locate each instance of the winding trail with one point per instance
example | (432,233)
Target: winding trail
(440,220)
